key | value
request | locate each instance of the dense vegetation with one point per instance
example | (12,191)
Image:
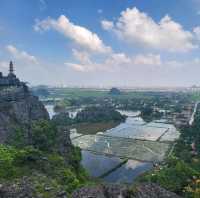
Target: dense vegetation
(62,119)
(126,100)
(99,114)
(92,114)
(148,114)
(181,173)
(115,91)
(50,169)
(16,163)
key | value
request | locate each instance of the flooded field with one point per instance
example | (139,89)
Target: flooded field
(99,150)
(98,165)
(126,141)
(147,151)
(128,172)
(121,152)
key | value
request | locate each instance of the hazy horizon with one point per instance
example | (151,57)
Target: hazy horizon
(92,43)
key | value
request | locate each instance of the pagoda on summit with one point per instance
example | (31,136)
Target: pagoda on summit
(11,68)
(10,79)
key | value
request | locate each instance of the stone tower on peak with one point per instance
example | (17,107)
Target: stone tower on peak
(10,79)
(11,68)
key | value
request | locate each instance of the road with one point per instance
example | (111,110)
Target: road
(193,114)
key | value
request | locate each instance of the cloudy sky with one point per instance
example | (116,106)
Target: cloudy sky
(102,42)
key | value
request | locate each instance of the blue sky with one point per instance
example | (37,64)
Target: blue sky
(102,42)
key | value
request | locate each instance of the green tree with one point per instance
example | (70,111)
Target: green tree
(43,135)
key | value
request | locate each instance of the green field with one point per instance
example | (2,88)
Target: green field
(75,93)
(195,96)
(93,128)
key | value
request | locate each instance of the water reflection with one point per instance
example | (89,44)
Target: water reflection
(133,127)
(97,165)
(128,172)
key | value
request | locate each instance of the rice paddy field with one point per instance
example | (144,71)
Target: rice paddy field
(142,150)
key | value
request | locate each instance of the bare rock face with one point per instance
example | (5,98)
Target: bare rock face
(149,190)
(19,111)
(22,190)
(28,109)
(26,188)
(118,191)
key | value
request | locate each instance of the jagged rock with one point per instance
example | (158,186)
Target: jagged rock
(65,144)
(113,191)
(18,112)
(153,190)
(118,191)
(102,191)
(26,188)
(89,192)
(18,190)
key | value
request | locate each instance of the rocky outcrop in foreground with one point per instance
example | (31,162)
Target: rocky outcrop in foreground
(25,189)
(117,191)
(17,109)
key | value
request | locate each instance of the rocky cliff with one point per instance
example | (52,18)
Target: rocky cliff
(145,190)
(18,108)
(24,189)
(37,157)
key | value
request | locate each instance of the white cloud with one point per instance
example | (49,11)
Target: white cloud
(149,59)
(196,31)
(78,67)
(185,64)
(137,27)
(80,35)
(81,56)
(84,64)
(21,55)
(4,64)
(107,25)
(117,59)
(113,62)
